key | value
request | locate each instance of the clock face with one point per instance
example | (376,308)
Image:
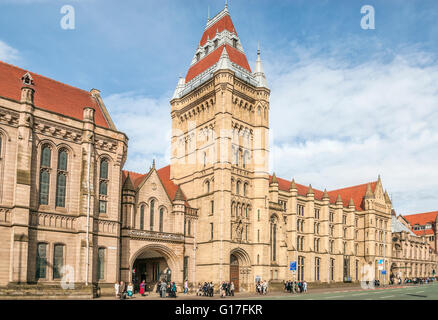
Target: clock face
(154,186)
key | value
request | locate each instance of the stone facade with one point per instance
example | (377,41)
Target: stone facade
(214,214)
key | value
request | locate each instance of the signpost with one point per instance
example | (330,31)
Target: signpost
(293,266)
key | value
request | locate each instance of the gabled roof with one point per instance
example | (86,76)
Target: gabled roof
(164,175)
(356,193)
(397,226)
(224,23)
(421,218)
(212,58)
(50,95)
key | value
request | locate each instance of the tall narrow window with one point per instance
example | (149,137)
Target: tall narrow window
(151,220)
(41,261)
(103,186)
(211,231)
(101,264)
(162,220)
(46,155)
(300,268)
(58,260)
(317,263)
(258,214)
(142,217)
(212,206)
(189,227)
(332,269)
(61,178)
(273,237)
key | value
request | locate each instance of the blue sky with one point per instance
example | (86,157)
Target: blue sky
(347,104)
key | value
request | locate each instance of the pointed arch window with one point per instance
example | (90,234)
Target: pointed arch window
(142,217)
(41,261)
(61,180)
(103,185)
(58,260)
(46,154)
(151,221)
(162,219)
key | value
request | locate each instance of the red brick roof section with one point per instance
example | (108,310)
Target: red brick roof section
(355,192)
(235,56)
(421,218)
(49,95)
(224,23)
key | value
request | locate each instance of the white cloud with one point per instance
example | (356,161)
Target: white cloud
(333,124)
(7,53)
(146,121)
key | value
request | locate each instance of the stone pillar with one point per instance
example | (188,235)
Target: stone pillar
(20,258)
(89,185)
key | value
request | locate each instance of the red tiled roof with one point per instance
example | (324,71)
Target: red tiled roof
(163,174)
(225,23)
(421,218)
(235,56)
(49,95)
(423,232)
(355,192)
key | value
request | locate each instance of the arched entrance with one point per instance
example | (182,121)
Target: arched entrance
(234,272)
(240,269)
(154,263)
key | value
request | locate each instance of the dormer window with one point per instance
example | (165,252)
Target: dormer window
(234,43)
(198,56)
(206,50)
(27,79)
(215,42)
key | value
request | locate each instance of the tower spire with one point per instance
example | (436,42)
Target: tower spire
(259,73)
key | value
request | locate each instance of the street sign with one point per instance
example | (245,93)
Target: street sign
(381,261)
(293,266)
(383,272)
(380,267)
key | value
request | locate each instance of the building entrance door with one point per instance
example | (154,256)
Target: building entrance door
(234,272)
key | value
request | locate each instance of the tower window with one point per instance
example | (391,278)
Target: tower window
(235,43)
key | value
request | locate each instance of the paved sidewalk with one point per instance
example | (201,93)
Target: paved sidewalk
(249,295)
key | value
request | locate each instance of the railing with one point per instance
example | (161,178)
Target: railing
(191,211)
(154,235)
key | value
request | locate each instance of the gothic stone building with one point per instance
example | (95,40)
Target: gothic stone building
(214,214)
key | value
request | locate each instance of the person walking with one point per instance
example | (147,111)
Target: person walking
(163,288)
(232,289)
(122,290)
(116,288)
(142,287)
(305,286)
(130,290)
(173,290)
(186,286)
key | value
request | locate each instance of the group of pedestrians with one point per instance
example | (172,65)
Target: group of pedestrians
(124,291)
(262,287)
(295,287)
(164,288)
(227,289)
(206,290)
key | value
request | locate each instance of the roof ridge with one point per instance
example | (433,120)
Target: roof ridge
(358,185)
(133,172)
(47,78)
(416,214)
